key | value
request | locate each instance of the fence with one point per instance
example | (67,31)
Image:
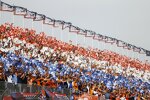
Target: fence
(32,91)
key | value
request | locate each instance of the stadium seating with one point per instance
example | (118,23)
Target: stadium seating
(37,59)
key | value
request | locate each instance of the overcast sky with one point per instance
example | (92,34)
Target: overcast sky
(127,20)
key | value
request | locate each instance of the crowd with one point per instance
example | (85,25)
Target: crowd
(30,58)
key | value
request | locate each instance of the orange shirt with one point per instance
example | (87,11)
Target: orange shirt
(75,86)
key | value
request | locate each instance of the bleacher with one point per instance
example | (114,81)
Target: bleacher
(31,63)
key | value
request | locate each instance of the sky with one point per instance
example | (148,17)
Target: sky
(127,20)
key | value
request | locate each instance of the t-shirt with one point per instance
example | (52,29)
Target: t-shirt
(9,79)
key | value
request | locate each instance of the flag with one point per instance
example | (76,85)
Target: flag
(90,33)
(136,49)
(66,25)
(142,51)
(128,46)
(30,15)
(58,23)
(121,43)
(110,40)
(82,32)
(74,29)
(107,39)
(39,17)
(98,37)
(147,53)
(48,21)
(6,7)
(20,10)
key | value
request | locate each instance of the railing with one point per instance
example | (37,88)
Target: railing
(35,92)
(7,89)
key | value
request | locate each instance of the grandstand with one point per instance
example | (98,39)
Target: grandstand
(40,67)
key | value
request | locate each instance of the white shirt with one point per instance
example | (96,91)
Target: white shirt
(9,79)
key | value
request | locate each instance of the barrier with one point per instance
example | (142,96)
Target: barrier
(24,91)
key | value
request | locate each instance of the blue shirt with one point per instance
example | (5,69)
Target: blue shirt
(14,79)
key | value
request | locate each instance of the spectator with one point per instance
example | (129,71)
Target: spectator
(39,61)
